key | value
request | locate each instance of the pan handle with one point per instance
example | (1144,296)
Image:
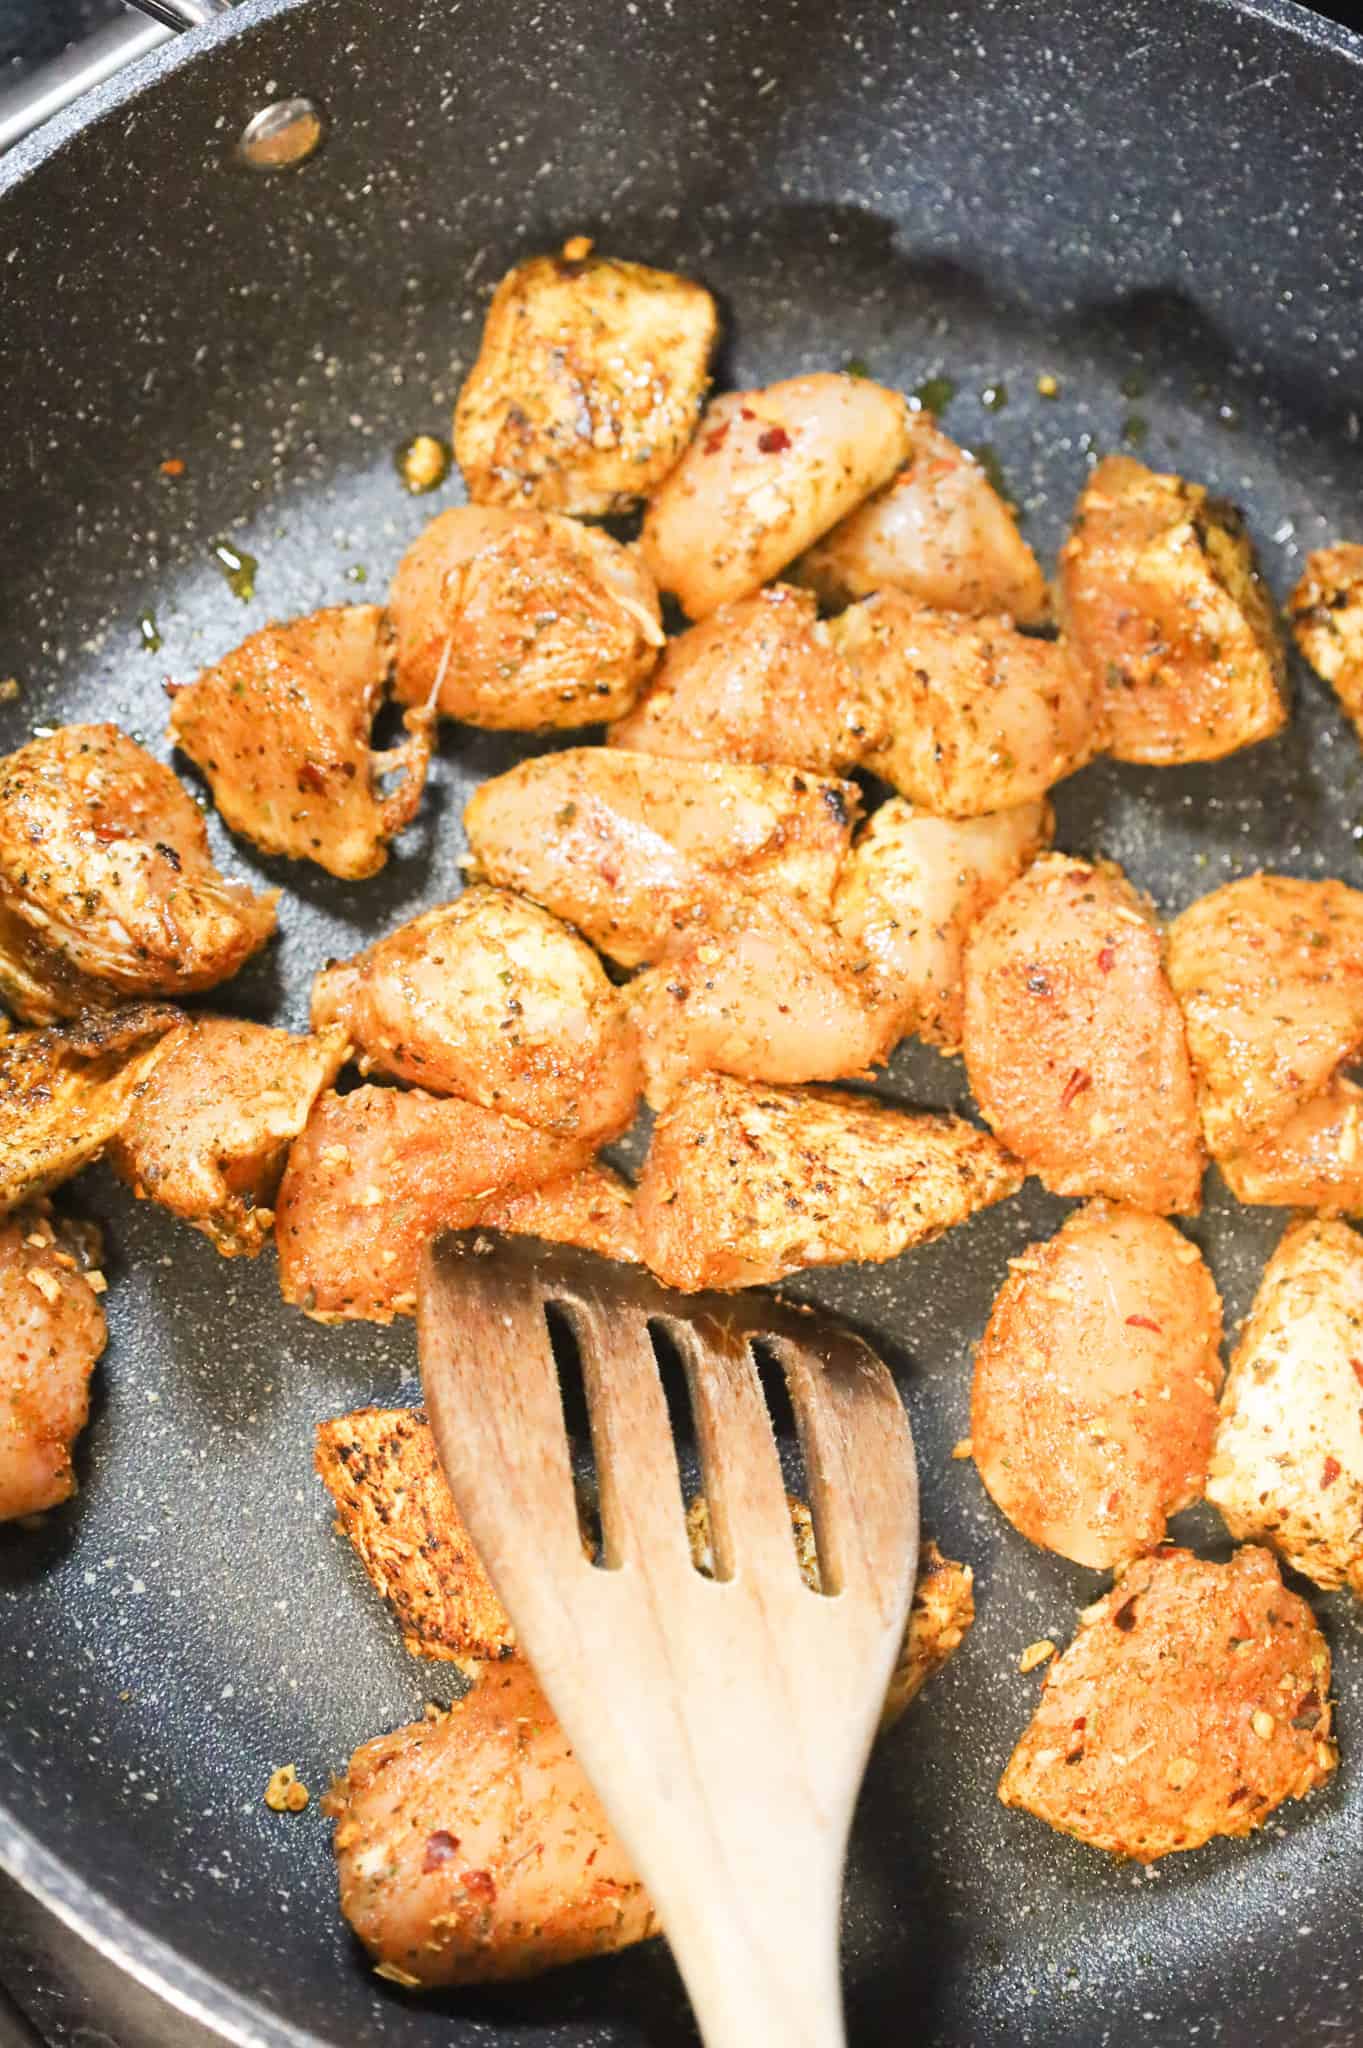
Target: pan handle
(86,64)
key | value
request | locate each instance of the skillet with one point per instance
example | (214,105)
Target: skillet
(1160,207)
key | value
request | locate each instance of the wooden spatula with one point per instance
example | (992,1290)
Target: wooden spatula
(724,1722)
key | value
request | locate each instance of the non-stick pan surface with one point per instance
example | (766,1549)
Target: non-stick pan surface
(1159,206)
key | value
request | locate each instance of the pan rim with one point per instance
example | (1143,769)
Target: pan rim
(83,1908)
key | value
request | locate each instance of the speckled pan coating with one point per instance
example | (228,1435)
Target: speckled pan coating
(1166,198)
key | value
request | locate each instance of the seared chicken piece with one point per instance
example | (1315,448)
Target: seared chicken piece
(1095,1385)
(492,998)
(744,1183)
(1313,1161)
(588,384)
(1194,1700)
(381,1468)
(64,1093)
(593,1208)
(759,680)
(911,893)
(635,851)
(1073,1041)
(38,985)
(1162,603)
(943,1611)
(768,472)
(939,532)
(123,889)
(380,1171)
(53,1333)
(281,728)
(1269,971)
(522,621)
(975,717)
(1326,611)
(471,1846)
(1287,1466)
(768,993)
(207,1132)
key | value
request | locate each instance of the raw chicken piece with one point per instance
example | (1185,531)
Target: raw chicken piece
(939,532)
(912,891)
(635,851)
(1313,1161)
(1073,1041)
(523,621)
(1269,971)
(1162,603)
(380,1171)
(768,993)
(592,1208)
(207,1132)
(382,1470)
(1287,1466)
(768,472)
(53,1333)
(759,680)
(1095,1385)
(492,998)
(123,890)
(588,384)
(1326,611)
(281,728)
(1192,1703)
(471,1847)
(64,1093)
(975,716)
(744,1183)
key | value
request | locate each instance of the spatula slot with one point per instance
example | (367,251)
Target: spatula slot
(790,1444)
(559,1320)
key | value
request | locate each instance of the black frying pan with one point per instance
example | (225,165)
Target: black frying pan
(1159,205)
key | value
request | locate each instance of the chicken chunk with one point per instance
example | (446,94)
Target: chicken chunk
(1095,1387)
(1073,1041)
(281,728)
(592,1208)
(1313,1161)
(913,890)
(123,890)
(64,1093)
(744,1183)
(1287,1466)
(940,532)
(471,1847)
(207,1132)
(522,621)
(975,717)
(1192,1703)
(382,1470)
(1269,971)
(492,998)
(768,993)
(380,1171)
(768,472)
(1162,603)
(635,851)
(1326,611)
(38,985)
(759,680)
(588,384)
(54,1332)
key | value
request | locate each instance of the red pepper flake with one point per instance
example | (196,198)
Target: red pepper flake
(173,466)
(310,776)
(441,1848)
(1329,1473)
(1143,1323)
(171,687)
(745,413)
(1079,1081)
(716,438)
(773,441)
(1357,1364)
(1107,959)
(480,1884)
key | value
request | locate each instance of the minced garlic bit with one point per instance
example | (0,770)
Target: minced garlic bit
(1263,1723)
(9,689)
(1179,1772)
(1326,1756)
(284,1793)
(394,1974)
(423,462)
(1047,385)
(965,1448)
(1036,1653)
(46,1283)
(96,1281)
(577,248)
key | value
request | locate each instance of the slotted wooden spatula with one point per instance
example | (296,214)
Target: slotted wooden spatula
(724,1722)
